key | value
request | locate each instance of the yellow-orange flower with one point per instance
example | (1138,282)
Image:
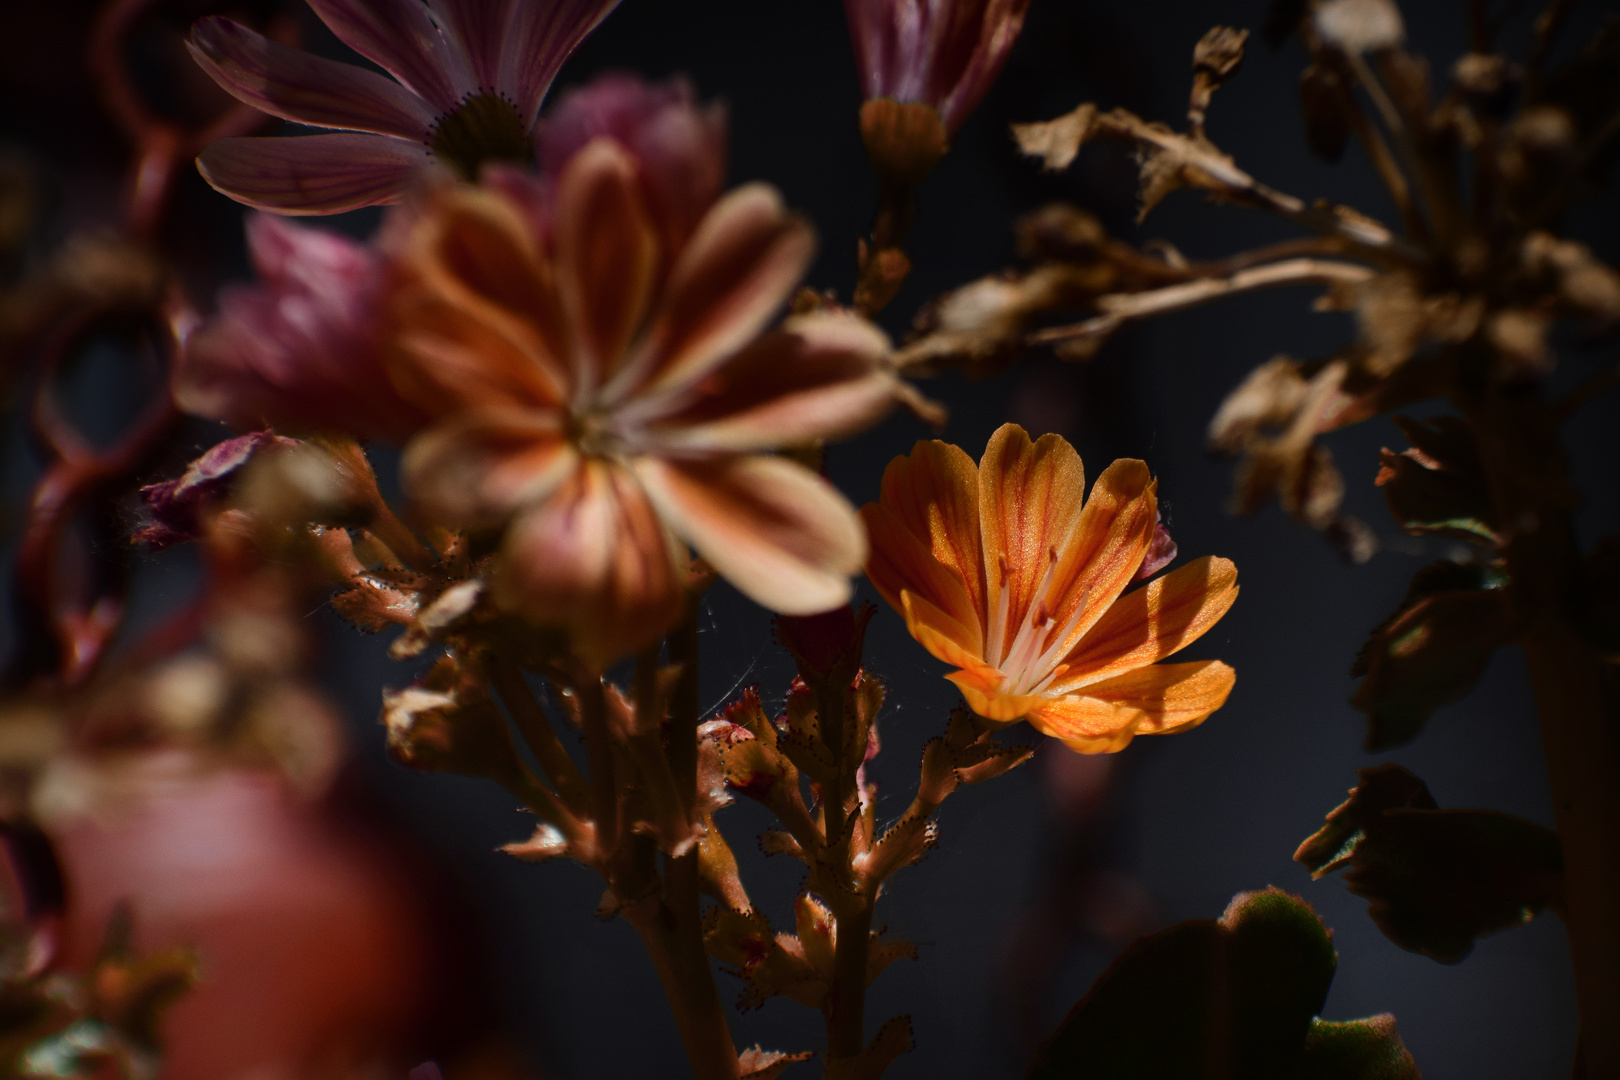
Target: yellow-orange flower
(1009,573)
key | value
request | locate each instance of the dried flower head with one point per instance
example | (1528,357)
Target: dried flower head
(607,399)
(470,78)
(1008,572)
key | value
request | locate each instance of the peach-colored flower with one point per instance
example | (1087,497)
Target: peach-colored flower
(608,401)
(1009,573)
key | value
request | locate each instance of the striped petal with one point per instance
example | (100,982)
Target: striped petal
(778,532)
(400,37)
(539,37)
(1107,547)
(816,378)
(1148,624)
(1155,700)
(478,468)
(735,273)
(312,174)
(295,85)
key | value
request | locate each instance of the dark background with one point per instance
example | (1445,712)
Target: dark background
(1196,817)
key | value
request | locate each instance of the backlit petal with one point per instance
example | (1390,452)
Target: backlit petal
(478,31)
(312,174)
(1153,700)
(980,688)
(607,258)
(771,527)
(1150,623)
(901,564)
(1030,497)
(816,378)
(399,36)
(477,468)
(949,639)
(594,558)
(933,493)
(304,88)
(734,274)
(1108,544)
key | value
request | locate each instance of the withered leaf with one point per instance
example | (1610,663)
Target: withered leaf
(1436,879)
(1432,651)
(1057,142)
(1207,998)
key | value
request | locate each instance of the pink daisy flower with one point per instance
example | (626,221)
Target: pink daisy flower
(468,80)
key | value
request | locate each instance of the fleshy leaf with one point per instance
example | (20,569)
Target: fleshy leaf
(1432,651)
(1367,1049)
(1435,879)
(1209,998)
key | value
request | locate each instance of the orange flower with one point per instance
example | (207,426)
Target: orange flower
(1008,572)
(607,393)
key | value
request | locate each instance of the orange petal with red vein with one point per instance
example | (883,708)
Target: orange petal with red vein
(1150,623)
(947,638)
(607,258)
(776,530)
(900,562)
(1030,496)
(933,494)
(477,468)
(1154,700)
(1108,544)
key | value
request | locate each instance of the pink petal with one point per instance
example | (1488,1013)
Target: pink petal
(594,558)
(298,351)
(680,146)
(816,378)
(312,174)
(478,468)
(399,36)
(479,30)
(297,86)
(771,527)
(736,272)
(540,36)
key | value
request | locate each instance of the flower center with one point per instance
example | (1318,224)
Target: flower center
(484,127)
(1027,667)
(595,437)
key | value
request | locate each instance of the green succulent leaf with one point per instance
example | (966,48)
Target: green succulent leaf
(1367,1049)
(1210,998)
(1435,879)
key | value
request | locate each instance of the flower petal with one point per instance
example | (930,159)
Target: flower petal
(399,36)
(312,174)
(477,312)
(594,558)
(816,378)
(478,30)
(477,468)
(1030,498)
(1148,624)
(540,36)
(306,89)
(980,688)
(771,527)
(932,497)
(1154,700)
(1108,545)
(737,270)
(607,258)
(949,639)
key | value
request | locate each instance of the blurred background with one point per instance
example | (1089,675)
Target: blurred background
(374,925)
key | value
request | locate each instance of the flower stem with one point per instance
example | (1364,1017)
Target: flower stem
(1577,699)
(846,1003)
